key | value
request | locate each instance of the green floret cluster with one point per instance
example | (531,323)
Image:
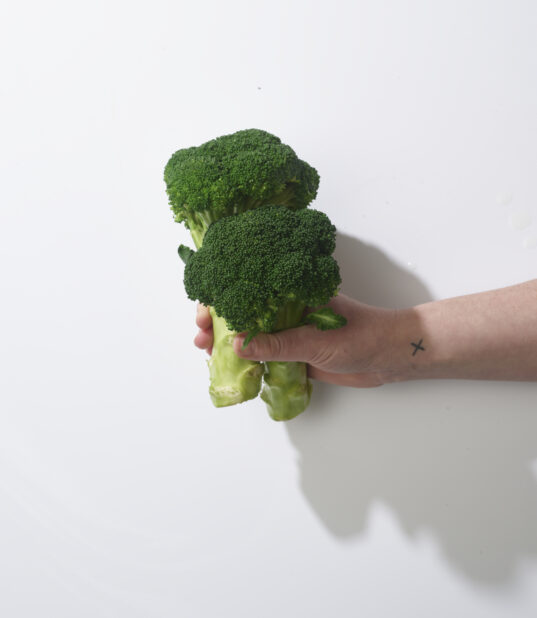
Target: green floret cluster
(253,265)
(263,258)
(234,173)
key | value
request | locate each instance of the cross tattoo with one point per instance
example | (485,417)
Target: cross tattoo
(417,347)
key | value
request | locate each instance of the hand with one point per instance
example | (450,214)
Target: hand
(484,336)
(348,356)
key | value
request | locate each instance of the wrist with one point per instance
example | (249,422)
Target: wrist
(484,336)
(408,353)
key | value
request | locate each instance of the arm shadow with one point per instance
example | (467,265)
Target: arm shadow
(450,458)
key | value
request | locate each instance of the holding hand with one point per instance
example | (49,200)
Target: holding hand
(346,356)
(485,336)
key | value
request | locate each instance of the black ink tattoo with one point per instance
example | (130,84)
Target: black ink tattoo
(417,346)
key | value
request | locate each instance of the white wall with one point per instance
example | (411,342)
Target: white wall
(123,492)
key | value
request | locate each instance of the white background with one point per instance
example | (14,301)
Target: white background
(123,492)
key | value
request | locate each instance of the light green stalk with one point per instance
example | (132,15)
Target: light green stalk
(232,379)
(286,389)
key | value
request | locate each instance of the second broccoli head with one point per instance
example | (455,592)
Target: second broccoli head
(262,268)
(235,173)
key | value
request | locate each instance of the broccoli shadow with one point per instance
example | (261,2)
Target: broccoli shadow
(451,459)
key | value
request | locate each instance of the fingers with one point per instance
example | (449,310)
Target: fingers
(203,317)
(295,344)
(355,380)
(204,338)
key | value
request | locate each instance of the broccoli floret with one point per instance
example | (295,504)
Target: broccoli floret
(260,270)
(253,265)
(234,173)
(225,176)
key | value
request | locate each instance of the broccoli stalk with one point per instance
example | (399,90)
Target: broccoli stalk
(232,379)
(286,388)
(227,176)
(260,270)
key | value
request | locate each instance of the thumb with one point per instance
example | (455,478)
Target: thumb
(294,344)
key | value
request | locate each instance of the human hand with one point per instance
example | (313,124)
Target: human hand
(348,356)
(467,337)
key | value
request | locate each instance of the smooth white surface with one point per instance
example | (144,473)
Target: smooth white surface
(123,493)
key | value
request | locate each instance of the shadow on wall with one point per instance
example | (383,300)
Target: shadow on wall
(452,458)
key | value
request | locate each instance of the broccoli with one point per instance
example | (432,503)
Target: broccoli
(235,173)
(225,176)
(260,270)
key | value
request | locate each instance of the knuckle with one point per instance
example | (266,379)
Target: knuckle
(321,356)
(276,345)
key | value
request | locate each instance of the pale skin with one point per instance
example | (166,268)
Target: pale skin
(484,336)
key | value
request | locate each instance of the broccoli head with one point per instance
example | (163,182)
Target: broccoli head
(234,173)
(259,270)
(252,266)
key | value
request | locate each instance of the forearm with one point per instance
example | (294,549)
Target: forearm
(486,336)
